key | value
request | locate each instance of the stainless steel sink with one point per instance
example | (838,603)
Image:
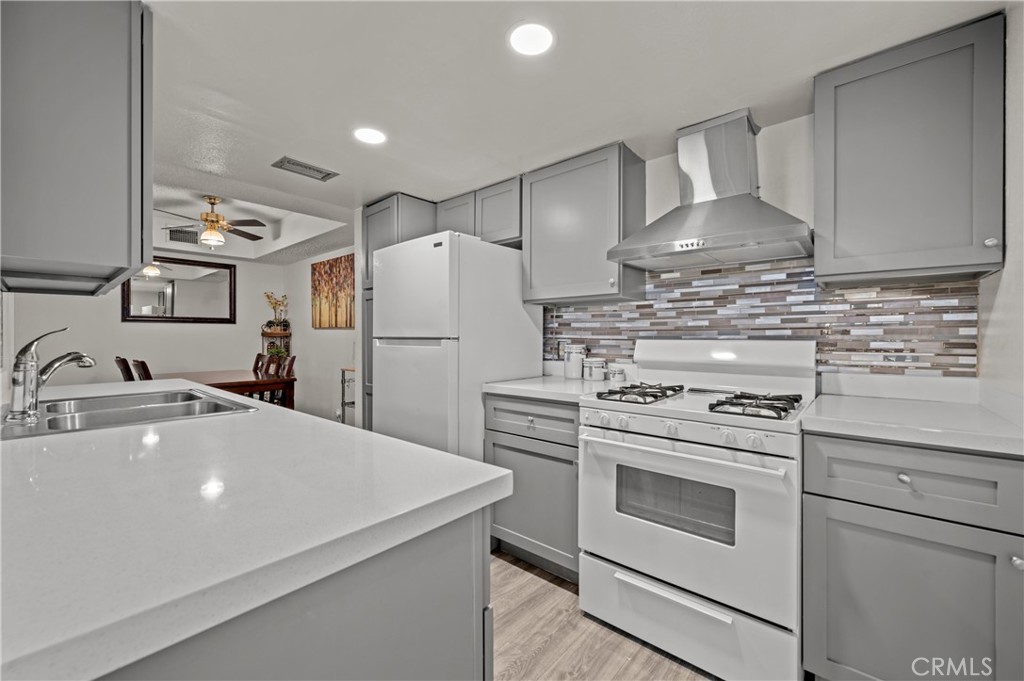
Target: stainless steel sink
(90,413)
(119,402)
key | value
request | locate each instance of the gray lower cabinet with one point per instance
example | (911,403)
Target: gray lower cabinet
(908,159)
(76,206)
(397,218)
(457,214)
(913,562)
(417,611)
(886,594)
(536,440)
(498,212)
(573,212)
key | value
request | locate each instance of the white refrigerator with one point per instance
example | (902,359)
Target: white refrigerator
(448,317)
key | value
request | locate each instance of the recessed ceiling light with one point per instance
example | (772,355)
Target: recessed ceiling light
(531,39)
(369,135)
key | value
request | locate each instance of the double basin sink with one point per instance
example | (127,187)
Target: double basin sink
(89,413)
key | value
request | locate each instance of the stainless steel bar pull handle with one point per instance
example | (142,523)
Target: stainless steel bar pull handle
(904,478)
(675,598)
(1017,562)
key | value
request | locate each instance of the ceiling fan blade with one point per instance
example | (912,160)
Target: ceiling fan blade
(246,223)
(182,227)
(245,235)
(177,215)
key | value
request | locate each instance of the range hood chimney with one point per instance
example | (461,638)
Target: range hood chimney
(720,219)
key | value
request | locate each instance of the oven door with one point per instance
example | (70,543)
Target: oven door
(718,522)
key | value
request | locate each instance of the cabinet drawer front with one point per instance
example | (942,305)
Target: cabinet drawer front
(724,642)
(976,490)
(549,421)
(540,516)
(884,589)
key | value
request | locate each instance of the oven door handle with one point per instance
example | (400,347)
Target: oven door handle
(779,473)
(675,598)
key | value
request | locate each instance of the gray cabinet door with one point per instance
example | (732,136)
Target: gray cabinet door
(457,214)
(540,516)
(398,218)
(908,148)
(498,211)
(572,215)
(885,592)
(367,337)
(380,230)
(76,160)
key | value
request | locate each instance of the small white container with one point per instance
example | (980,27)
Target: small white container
(617,375)
(574,360)
(593,369)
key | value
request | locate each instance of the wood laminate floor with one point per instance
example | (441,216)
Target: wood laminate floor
(540,633)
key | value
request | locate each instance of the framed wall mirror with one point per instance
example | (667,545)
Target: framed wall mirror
(178,290)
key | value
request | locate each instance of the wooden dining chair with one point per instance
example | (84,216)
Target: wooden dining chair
(125,368)
(272,365)
(259,363)
(286,369)
(142,370)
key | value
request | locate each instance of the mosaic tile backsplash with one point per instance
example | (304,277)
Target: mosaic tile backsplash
(908,328)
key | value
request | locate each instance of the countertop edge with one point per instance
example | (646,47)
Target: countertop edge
(104,649)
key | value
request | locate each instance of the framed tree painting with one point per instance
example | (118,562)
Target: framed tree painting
(332,288)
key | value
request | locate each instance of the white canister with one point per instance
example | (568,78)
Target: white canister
(593,369)
(617,375)
(574,360)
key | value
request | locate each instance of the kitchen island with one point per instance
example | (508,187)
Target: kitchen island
(264,544)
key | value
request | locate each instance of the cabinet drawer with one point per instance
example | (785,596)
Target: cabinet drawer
(551,421)
(965,488)
(726,643)
(540,516)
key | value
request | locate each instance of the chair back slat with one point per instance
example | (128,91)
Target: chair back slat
(142,370)
(259,362)
(125,368)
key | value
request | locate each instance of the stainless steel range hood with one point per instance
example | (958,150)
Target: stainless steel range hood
(720,218)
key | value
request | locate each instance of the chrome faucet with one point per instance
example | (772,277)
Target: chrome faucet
(27,378)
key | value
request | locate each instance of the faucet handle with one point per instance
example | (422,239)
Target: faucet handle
(29,351)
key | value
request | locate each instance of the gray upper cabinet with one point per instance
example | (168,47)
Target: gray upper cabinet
(573,212)
(76,161)
(908,155)
(397,218)
(457,214)
(498,212)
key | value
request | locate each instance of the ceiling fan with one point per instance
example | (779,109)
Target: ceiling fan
(216,225)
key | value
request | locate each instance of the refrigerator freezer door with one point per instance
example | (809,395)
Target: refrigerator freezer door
(415,391)
(416,288)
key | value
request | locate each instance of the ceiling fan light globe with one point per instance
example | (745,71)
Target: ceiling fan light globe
(151,271)
(211,237)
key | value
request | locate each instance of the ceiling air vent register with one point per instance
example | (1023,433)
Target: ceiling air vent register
(304,169)
(181,235)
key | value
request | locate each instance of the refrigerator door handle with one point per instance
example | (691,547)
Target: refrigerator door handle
(413,342)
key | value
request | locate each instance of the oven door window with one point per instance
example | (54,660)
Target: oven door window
(689,506)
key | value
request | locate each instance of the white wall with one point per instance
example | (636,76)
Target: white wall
(1001,300)
(320,353)
(97,330)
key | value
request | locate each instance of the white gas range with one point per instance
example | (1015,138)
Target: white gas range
(690,502)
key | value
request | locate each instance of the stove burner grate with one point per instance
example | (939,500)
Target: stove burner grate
(642,393)
(767,406)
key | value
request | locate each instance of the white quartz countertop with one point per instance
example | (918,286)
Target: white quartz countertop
(552,388)
(947,425)
(117,543)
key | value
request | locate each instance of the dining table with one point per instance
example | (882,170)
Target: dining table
(242,382)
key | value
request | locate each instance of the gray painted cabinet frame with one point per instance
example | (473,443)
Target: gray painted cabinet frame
(908,157)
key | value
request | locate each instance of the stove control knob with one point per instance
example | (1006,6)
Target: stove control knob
(754,441)
(604,419)
(728,438)
(623,422)
(670,428)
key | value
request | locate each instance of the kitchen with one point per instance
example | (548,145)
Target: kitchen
(980,367)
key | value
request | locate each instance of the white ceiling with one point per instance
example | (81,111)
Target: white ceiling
(237,85)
